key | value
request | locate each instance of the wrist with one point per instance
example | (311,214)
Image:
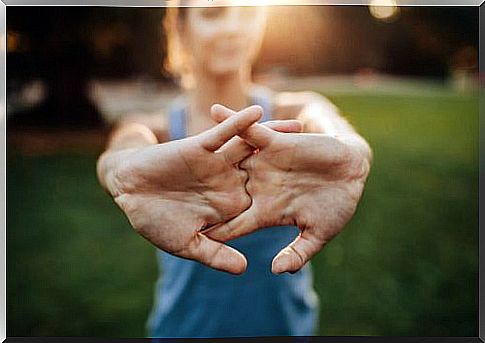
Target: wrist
(124,141)
(108,166)
(361,153)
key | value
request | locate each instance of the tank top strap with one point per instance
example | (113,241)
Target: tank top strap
(262,96)
(177,114)
(177,119)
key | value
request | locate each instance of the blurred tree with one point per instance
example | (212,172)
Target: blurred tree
(67,46)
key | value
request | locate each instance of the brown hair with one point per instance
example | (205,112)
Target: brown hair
(176,62)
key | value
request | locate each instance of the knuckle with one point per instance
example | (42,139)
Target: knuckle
(299,257)
(122,180)
(227,158)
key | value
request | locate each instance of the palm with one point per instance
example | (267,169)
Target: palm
(313,181)
(170,191)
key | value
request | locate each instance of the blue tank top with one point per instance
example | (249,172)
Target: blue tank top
(192,300)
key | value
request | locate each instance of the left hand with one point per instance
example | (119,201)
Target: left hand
(313,181)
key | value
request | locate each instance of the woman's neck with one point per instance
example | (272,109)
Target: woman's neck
(228,90)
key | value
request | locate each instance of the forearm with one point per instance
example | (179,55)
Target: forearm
(125,139)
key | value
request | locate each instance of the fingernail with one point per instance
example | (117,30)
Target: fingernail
(215,107)
(277,267)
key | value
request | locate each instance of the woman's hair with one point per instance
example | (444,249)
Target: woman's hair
(176,62)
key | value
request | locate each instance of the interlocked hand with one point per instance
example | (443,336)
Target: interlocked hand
(171,191)
(313,181)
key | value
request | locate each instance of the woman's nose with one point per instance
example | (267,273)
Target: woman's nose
(234,20)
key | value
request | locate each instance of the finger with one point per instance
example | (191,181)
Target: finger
(219,113)
(242,225)
(293,257)
(217,255)
(285,126)
(258,136)
(215,137)
(237,149)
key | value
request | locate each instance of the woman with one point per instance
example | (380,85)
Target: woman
(195,181)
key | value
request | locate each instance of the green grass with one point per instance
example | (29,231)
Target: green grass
(407,264)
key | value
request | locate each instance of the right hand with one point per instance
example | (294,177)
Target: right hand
(171,191)
(310,180)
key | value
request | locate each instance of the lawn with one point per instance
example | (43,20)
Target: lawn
(407,264)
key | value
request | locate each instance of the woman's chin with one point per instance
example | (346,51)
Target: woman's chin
(226,69)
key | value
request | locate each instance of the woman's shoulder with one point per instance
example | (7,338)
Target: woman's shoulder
(156,121)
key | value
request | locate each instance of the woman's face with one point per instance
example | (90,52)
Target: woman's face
(222,40)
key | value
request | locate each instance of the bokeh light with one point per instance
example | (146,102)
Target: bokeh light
(13,40)
(384,10)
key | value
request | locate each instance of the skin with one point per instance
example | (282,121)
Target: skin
(222,39)
(313,181)
(171,191)
(189,196)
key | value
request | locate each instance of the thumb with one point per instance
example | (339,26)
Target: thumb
(242,225)
(293,257)
(216,255)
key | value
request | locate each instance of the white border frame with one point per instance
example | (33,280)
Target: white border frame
(3,171)
(200,3)
(144,3)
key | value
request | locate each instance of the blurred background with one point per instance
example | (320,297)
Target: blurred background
(407,79)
